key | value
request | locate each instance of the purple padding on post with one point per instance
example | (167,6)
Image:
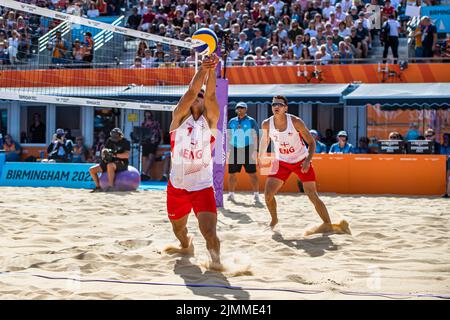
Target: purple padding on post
(220,149)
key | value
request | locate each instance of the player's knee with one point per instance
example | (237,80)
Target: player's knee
(269,195)
(93,170)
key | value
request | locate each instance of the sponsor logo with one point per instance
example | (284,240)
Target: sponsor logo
(60,16)
(32,98)
(93,102)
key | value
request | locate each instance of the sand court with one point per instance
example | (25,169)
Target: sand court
(69,244)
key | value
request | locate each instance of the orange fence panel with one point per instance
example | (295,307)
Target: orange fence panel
(366,73)
(369,174)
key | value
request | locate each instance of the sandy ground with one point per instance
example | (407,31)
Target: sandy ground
(399,245)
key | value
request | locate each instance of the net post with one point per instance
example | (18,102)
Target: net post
(196,61)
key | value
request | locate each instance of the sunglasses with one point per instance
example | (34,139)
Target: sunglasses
(429,136)
(278,104)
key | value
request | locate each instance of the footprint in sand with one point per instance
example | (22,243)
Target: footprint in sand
(133,244)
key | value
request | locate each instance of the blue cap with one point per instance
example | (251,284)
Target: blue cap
(342,133)
(60,131)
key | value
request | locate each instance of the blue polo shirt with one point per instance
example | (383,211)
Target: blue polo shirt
(335,148)
(320,147)
(241,131)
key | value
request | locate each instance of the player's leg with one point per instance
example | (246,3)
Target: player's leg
(342,227)
(178,209)
(310,190)
(273,185)
(180,231)
(207,222)
(204,205)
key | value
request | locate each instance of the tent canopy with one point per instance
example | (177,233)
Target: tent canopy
(402,95)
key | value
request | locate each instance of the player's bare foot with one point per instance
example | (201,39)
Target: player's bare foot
(189,250)
(273,223)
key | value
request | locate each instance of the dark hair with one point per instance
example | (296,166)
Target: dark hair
(280,97)
(148,112)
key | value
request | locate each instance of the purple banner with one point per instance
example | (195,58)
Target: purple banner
(220,149)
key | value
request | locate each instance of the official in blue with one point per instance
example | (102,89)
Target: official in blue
(243,147)
(342,146)
(320,147)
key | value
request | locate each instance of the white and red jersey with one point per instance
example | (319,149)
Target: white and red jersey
(191,146)
(288,144)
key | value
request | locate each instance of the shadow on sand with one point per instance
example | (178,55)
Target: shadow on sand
(192,274)
(315,247)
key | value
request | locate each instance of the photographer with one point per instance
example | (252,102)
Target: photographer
(115,156)
(58,150)
(149,144)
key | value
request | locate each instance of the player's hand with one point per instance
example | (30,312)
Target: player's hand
(263,161)
(210,62)
(305,165)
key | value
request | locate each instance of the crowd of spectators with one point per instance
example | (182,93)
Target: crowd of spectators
(271,32)
(265,32)
(18,35)
(20,31)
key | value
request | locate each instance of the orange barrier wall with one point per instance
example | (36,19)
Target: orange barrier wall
(34,151)
(366,73)
(369,174)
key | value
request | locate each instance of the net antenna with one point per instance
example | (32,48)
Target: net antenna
(22,92)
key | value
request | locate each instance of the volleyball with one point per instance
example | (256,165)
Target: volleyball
(208,39)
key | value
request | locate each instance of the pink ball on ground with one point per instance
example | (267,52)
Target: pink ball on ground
(127,180)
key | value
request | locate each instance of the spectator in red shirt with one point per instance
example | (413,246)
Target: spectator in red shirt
(102,7)
(147,19)
(387,10)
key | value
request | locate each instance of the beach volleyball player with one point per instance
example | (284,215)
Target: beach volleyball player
(190,185)
(287,133)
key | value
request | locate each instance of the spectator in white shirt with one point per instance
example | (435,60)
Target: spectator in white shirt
(282,33)
(327,9)
(142,8)
(278,5)
(243,43)
(340,14)
(346,5)
(343,30)
(311,30)
(137,63)
(93,11)
(182,7)
(326,58)
(313,48)
(149,60)
(235,52)
(275,58)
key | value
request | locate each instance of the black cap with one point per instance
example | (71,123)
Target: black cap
(116,134)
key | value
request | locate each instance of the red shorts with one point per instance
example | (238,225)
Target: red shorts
(180,202)
(285,169)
